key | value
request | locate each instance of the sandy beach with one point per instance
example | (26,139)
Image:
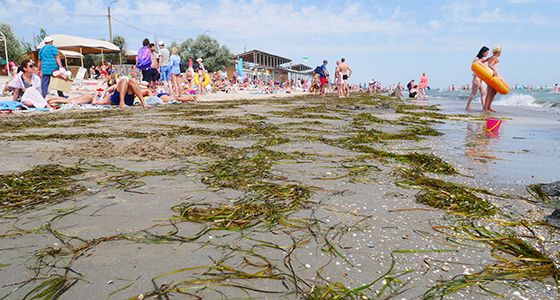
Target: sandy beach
(276,197)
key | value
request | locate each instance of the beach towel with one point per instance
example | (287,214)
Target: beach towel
(11,105)
(34,97)
(152,101)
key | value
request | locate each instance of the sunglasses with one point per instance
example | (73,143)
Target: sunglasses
(31,66)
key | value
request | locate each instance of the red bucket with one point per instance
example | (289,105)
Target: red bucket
(493,125)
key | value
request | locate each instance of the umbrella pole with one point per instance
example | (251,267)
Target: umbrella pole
(82,57)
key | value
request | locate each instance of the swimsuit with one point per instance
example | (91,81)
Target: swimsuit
(128,99)
(162,94)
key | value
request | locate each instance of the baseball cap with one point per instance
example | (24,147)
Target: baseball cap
(48,39)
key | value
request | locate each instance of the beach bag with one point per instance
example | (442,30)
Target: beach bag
(319,70)
(144,58)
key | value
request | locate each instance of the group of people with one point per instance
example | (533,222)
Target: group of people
(487,92)
(164,68)
(321,76)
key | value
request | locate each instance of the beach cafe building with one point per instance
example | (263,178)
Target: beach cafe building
(261,65)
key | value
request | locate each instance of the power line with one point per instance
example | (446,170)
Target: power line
(142,30)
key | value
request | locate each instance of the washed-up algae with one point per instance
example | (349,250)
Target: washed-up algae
(517,261)
(45,184)
(442,194)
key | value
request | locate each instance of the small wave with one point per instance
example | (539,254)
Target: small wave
(519,100)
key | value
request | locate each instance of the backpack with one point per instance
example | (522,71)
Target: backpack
(144,58)
(319,70)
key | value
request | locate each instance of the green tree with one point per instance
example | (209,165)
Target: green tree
(92,60)
(117,58)
(15,49)
(216,57)
(38,38)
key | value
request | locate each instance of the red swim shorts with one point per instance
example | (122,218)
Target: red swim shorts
(324,81)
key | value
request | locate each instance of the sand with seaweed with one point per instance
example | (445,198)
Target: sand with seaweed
(304,197)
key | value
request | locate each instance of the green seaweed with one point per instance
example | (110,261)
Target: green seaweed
(45,184)
(446,195)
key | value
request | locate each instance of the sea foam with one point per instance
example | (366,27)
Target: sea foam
(519,100)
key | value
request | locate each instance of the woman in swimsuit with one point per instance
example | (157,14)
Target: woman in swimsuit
(477,84)
(423,86)
(493,65)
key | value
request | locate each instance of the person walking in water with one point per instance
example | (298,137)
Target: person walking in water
(493,65)
(423,86)
(345,73)
(477,83)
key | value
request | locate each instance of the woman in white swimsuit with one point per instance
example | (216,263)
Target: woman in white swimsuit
(477,83)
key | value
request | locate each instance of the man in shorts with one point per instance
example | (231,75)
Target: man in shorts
(154,66)
(164,66)
(345,73)
(324,77)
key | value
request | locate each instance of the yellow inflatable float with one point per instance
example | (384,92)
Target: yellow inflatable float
(487,75)
(205,82)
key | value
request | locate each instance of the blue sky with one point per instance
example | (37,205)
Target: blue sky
(391,41)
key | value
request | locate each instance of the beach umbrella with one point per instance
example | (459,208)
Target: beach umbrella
(240,67)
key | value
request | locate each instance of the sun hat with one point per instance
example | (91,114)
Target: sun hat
(48,39)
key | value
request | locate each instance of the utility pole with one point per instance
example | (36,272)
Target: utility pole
(110,29)
(109,17)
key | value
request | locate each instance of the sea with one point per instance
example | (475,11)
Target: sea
(538,99)
(526,148)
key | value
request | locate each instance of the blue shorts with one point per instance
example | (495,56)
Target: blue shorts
(128,99)
(165,72)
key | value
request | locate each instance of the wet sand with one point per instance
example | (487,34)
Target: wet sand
(358,234)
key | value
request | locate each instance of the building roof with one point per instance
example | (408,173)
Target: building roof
(250,57)
(85,45)
(300,67)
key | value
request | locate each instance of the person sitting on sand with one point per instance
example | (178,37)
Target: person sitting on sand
(26,77)
(413,92)
(122,94)
(493,65)
(477,83)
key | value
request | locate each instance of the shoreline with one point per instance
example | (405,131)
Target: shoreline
(342,176)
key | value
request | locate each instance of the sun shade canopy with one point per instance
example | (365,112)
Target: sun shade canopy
(80,44)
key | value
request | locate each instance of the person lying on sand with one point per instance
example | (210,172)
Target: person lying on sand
(165,97)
